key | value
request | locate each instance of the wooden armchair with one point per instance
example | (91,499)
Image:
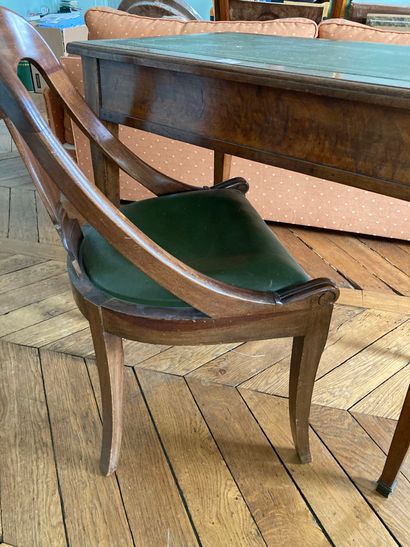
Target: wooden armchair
(191,266)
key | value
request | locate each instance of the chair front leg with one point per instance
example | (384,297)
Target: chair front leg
(306,353)
(110,363)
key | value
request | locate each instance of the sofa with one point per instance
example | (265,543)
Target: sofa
(278,194)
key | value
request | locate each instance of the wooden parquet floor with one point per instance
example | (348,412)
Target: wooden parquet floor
(207,455)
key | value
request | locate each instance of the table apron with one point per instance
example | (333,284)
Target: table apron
(356,143)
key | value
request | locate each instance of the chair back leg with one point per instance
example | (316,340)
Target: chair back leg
(306,353)
(110,363)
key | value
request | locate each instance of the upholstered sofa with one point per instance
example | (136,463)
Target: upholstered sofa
(279,195)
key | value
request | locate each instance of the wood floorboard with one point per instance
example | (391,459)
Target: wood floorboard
(326,487)
(30,502)
(310,261)
(23,215)
(34,314)
(21,182)
(345,385)
(387,399)
(12,167)
(394,254)
(33,292)
(94,511)
(145,478)
(346,339)
(44,333)
(32,248)
(213,467)
(374,300)
(275,501)
(203,462)
(4,212)
(30,275)
(381,431)
(363,460)
(404,246)
(46,231)
(17,262)
(374,263)
(218,510)
(354,271)
(8,155)
(182,360)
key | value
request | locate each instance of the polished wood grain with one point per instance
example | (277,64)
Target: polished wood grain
(246,10)
(306,353)
(275,77)
(358,11)
(109,356)
(219,312)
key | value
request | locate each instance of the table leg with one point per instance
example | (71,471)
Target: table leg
(222,166)
(397,452)
(106,172)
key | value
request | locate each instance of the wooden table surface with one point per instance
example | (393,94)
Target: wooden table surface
(339,61)
(337,110)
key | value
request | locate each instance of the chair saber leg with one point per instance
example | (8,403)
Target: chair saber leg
(306,353)
(110,363)
(397,452)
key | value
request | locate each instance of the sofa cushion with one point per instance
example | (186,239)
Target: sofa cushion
(341,29)
(217,232)
(105,23)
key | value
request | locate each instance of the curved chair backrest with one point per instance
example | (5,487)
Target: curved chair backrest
(56,174)
(175,9)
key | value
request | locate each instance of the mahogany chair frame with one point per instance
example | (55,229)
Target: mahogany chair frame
(219,312)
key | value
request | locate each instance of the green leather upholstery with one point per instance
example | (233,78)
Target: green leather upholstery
(217,232)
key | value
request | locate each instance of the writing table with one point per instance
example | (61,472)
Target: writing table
(336,110)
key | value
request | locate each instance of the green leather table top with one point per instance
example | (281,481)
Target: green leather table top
(216,232)
(361,62)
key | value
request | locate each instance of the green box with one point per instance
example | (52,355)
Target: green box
(24,73)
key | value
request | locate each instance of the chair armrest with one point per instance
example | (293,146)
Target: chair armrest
(113,148)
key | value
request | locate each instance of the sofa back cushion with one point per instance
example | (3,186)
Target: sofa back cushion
(107,23)
(341,29)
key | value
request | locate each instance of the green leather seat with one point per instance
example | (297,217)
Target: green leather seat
(216,232)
